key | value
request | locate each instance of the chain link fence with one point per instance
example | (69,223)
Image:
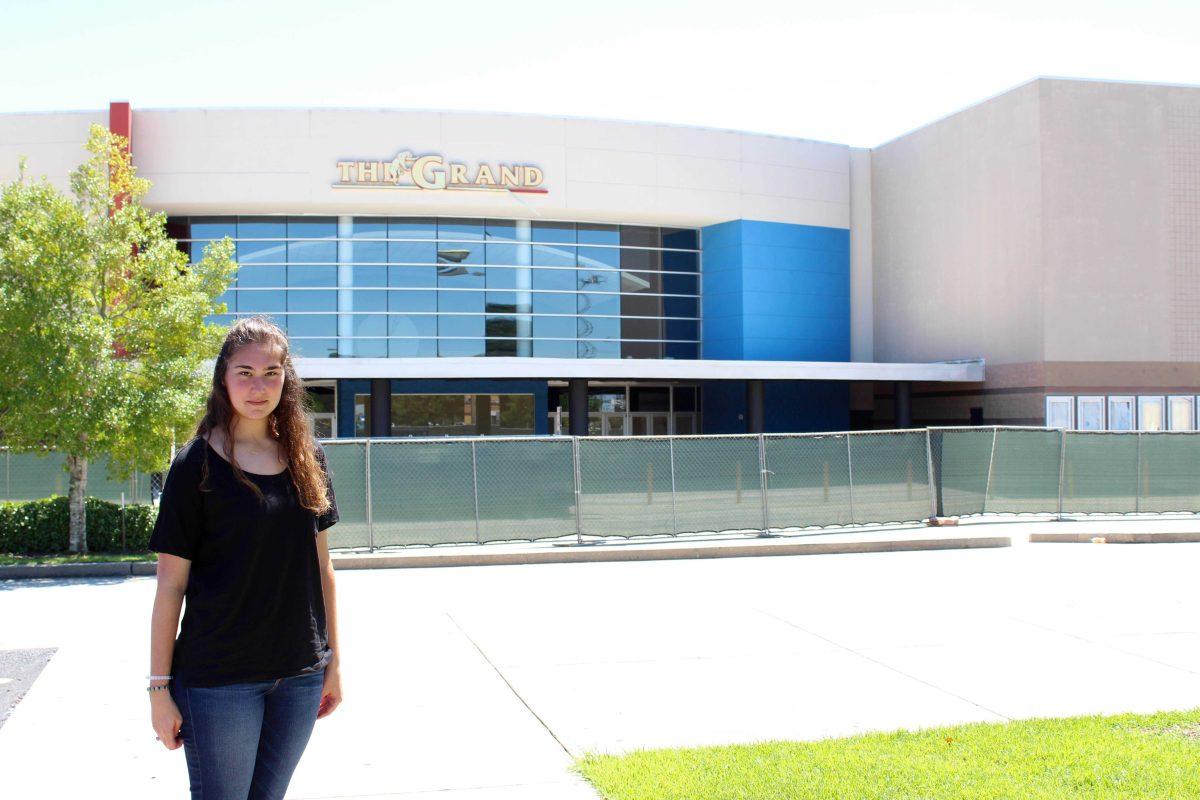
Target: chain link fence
(394,492)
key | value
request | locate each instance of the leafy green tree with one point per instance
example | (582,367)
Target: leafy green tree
(102,332)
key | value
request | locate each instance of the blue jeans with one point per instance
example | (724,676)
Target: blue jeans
(243,741)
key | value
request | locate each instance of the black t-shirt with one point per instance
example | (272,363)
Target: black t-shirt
(254,607)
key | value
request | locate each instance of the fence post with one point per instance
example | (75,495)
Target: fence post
(674,517)
(370,521)
(933,509)
(763,484)
(1137,478)
(850,477)
(475,491)
(1062,462)
(578,490)
(987,487)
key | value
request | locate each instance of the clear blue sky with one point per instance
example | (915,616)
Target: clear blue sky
(852,72)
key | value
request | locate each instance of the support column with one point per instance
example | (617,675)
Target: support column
(903,394)
(578,406)
(381,407)
(754,406)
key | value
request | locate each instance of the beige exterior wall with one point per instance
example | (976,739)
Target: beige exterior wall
(53,144)
(1053,230)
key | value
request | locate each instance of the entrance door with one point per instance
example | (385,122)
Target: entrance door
(649,423)
(614,423)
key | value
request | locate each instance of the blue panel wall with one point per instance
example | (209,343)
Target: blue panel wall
(774,291)
(348,388)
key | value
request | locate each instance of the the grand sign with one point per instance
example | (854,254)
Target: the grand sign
(434,172)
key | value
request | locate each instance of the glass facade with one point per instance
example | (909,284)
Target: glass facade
(452,415)
(426,287)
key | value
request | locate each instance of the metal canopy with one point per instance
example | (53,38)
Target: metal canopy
(968,371)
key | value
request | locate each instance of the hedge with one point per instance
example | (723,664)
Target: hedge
(35,527)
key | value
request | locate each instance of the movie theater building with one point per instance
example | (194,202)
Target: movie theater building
(450,273)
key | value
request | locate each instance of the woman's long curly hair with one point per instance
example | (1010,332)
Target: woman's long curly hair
(289,423)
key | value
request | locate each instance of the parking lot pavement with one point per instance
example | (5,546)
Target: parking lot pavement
(483,682)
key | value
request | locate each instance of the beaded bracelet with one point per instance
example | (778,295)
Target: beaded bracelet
(156,688)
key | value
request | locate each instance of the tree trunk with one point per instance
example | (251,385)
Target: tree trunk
(76,491)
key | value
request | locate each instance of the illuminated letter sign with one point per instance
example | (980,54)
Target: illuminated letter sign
(433,172)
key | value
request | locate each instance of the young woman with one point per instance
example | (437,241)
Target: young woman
(242,534)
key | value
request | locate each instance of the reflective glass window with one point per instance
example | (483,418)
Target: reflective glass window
(416,277)
(366,252)
(460,348)
(640,236)
(645,282)
(679,284)
(641,259)
(514,254)
(311,252)
(599,349)
(460,325)
(412,252)
(553,232)
(312,227)
(501,347)
(554,349)
(501,229)
(591,233)
(409,300)
(412,228)
(599,304)
(641,349)
(559,279)
(592,280)
(369,228)
(680,307)
(504,326)
(261,228)
(368,300)
(369,324)
(453,253)
(312,276)
(461,302)
(261,253)
(506,277)
(364,348)
(681,329)
(553,256)
(680,262)
(460,229)
(417,325)
(312,325)
(680,237)
(600,257)
(551,303)
(681,350)
(459,276)
(639,306)
(315,348)
(229,298)
(508,303)
(214,227)
(261,277)
(554,327)
(641,329)
(259,300)
(311,300)
(412,348)
(369,276)
(599,328)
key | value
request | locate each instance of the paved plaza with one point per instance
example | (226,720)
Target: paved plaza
(465,683)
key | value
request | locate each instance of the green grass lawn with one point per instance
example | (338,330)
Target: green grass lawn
(10,560)
(1126,756)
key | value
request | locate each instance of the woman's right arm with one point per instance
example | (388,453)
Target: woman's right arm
(164,622)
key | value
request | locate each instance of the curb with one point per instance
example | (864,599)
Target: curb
(1116,538)
(625,553)
(558,555)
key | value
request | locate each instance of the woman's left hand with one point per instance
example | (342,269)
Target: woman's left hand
(331,692)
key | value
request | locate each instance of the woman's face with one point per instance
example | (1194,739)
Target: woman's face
(254,380)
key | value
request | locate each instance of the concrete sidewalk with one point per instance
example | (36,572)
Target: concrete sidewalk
(465,683)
